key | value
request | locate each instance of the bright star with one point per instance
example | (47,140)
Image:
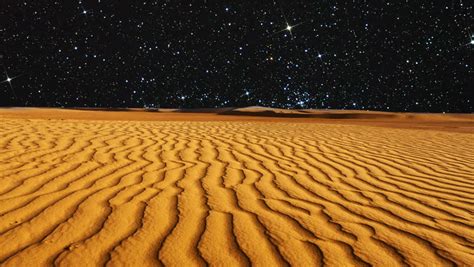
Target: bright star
(86,12)
(9,81)
(289,28)
(320,55)
(472,40)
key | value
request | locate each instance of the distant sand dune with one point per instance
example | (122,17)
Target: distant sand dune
(230,193)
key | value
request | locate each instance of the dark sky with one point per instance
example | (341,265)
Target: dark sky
(377,55)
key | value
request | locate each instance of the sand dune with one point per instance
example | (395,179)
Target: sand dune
(440,122)
(231,193)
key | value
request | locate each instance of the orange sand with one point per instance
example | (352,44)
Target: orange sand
(88,188)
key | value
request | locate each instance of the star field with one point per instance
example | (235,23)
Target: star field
(382,55)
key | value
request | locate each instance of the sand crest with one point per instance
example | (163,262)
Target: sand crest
(233,193)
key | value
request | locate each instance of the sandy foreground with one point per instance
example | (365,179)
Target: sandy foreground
(235,187)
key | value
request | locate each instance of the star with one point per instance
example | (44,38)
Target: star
(320,56)
(9,81)
(471,42)
(289,28)
(85,12)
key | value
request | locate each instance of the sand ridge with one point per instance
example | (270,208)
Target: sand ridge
(148,193)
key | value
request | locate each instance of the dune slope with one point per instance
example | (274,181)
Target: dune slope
(233,193)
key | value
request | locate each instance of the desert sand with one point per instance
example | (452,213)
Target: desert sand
(235,187)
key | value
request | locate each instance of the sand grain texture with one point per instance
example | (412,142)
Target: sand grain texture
(233,193)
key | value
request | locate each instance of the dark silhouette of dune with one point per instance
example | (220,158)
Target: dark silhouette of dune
(300,114)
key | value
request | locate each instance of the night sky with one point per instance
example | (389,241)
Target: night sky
(376,55)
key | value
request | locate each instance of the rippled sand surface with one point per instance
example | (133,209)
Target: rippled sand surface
(230,193)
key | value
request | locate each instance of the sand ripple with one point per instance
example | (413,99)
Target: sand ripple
(233,193)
